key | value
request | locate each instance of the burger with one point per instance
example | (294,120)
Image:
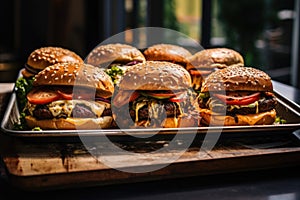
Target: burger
(70,96)
(236,96)
(167,52)
(155,94)
(114,58)
(38,60)
(46,56)
(204,62)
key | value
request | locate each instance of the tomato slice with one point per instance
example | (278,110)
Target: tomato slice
(179,98)
(84,94)
(121,98)
(134,96)
(42,96)
(69,94)
(64,95)
(199,72)
(245,100)
(159,95)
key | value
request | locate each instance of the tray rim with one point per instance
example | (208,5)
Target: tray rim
(292,106)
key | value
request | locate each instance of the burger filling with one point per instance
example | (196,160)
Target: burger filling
(242,103)
(198,76)
(117,70)
(152,107)
(68,108)
(55,102)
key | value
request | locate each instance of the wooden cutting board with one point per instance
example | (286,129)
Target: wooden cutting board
(49,165)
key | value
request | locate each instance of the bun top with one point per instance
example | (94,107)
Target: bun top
(167,52)
(46,56)
(215,58)
(155,75)
(76,74)
(109,53)
(235,78)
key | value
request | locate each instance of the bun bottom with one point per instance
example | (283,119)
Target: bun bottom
(169,122)
(70,123)
(265,118)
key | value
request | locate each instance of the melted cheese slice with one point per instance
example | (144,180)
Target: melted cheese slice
(67,106)
(252,119)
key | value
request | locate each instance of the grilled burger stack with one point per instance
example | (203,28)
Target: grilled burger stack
(155,94)
(206,61)
(237,96)
(43,57)
(70,96)
(167,52)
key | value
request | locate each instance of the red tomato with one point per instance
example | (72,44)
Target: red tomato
(176,99)
(179,98)
(134,96)
(42,96)
(64,95)
(121,98)
(158,95)
(69,94)
(245,100)
(199,72)
(84,94)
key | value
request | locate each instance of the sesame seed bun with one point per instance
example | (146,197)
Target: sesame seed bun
(46,56)
(79,74)
(215,58)
(143,93)
(239,82)
(115,52)
(155,75)
(54,104)
(238,78)
(167,52)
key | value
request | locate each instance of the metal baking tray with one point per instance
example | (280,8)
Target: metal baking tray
(288,110)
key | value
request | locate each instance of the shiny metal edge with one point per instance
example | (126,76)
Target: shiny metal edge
(288,104)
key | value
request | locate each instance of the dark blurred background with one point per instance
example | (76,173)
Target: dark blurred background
(265,32)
